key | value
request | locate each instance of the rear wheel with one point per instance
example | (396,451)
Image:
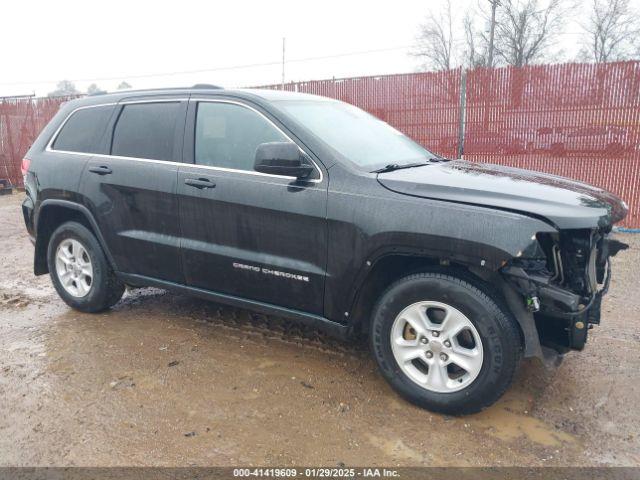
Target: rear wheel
(444,344)
(79,269)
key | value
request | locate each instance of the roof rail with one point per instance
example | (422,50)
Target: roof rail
(207,86)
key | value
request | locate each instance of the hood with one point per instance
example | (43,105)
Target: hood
(563,202)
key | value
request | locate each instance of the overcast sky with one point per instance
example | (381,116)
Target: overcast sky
(108,42)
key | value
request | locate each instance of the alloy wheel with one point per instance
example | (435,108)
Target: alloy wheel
(74,268)
(437,346)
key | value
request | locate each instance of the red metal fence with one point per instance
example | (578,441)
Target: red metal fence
(424,106)
(576,120)
(21,120)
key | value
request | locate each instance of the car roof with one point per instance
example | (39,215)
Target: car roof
(275,95)
(265,94)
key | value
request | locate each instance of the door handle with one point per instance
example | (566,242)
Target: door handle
(199,183)
(101,170)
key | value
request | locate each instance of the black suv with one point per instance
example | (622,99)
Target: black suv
(311,209)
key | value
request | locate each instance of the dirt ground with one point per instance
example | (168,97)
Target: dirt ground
(167,380)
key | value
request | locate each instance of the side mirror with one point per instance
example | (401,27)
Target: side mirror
(281,158)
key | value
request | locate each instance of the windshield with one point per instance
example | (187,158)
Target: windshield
(359,137)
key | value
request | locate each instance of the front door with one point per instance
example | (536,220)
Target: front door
(247,234)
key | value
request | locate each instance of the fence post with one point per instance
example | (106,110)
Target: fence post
(463,111)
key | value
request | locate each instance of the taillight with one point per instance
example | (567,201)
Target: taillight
(24,167)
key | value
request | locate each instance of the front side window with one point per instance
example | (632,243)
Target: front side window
(146,130)
(227,135)
(84,130)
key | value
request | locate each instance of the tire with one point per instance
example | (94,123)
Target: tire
(490,341)
(88,293)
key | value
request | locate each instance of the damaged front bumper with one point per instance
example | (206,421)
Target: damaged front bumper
(564,284)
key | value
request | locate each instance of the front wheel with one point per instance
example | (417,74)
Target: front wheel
(79,269)
(444,344)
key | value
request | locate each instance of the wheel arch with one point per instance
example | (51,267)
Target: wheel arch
(392,266)
(51,214)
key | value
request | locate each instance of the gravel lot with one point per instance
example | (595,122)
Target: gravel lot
(167,380)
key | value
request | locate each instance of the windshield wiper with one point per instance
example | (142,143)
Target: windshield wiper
(396,166)
(434,158)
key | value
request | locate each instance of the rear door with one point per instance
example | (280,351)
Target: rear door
(132,190)
(247,234)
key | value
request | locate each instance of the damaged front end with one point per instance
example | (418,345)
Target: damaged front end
(563,280)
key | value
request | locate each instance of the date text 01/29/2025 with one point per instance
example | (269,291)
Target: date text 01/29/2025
(320,472)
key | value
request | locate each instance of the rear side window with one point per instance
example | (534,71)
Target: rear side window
(83,131)
(146,130)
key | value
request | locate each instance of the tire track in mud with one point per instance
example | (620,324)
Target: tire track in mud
(20,293)
(240,323)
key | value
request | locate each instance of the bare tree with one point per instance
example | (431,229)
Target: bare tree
(611,32)
(492,31)
(94,89)
(64,88)
(435,42)
(479,26)
(474,52)
(525,30)
(123,85)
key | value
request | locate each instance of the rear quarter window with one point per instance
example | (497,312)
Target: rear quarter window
(146,130)
(84,130)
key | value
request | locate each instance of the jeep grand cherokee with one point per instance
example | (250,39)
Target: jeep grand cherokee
(309,208)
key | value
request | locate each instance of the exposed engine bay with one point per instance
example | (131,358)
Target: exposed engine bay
(563,282)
